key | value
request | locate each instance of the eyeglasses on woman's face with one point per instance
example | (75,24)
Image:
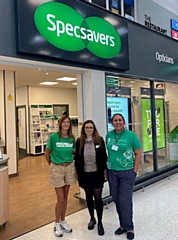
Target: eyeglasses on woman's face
(88,128)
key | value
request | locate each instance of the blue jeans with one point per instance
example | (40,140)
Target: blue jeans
(121,185)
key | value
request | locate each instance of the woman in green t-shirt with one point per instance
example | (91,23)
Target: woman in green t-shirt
(124,156)
(59,155)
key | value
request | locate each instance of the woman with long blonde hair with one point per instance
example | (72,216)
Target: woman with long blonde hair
(59,155)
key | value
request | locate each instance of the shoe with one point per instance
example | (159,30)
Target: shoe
(64,225)
(130,235)
(91,224)
(120,231)
(100,229)
(57,230)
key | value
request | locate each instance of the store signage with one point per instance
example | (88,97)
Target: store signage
(164,58)
(117,105)
(147,124)
(174,34)
(150,25)
(73,32)
(174,24)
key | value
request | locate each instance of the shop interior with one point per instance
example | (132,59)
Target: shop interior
(38,106)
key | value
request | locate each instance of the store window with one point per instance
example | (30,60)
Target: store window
(168,155)
(129,9)
(115,6)
(101,3)
(131,98)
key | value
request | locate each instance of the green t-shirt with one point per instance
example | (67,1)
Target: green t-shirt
(121,148)
(61,148)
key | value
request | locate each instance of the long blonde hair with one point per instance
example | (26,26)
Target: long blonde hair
(69,132)
(95,135)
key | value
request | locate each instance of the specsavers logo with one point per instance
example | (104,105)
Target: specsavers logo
(66,29)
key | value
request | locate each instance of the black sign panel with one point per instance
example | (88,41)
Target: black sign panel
(72,31)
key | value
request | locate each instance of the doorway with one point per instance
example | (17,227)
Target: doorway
(21,132)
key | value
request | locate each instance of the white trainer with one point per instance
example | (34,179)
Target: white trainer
(64,225)
(57,230)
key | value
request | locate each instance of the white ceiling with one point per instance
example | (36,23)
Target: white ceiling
(27,73)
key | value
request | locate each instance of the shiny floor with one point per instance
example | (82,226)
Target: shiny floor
(155,217)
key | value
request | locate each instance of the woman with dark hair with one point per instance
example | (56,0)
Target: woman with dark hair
(90,163)
(59,155)
(124,156)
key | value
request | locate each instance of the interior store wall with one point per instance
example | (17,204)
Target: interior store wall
(2,119)
(41,95)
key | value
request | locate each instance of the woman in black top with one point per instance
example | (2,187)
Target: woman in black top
(90,163)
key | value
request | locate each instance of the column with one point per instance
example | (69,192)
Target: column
(8,117)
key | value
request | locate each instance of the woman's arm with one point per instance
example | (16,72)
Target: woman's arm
(138,155)
(47,155)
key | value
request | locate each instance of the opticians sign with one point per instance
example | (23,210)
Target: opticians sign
(73,31)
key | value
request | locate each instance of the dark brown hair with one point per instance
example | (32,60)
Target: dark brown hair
(118,114)
(95,135)
(69,132)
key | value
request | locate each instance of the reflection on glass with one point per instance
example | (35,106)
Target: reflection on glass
(169,154)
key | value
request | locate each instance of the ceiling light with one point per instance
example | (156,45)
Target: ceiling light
(173,86)
(132,81)
(74,83)
(112,77)
(46,73)
(48,83)
(66,79)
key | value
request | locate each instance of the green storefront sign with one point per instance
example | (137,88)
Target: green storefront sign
(147,124)
(67,29)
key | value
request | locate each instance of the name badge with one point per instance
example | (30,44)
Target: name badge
(114,147)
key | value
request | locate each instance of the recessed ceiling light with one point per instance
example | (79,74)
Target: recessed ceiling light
(112,77)
(39,69)
(173,86)
(46,73)
(48,83)
(66,79)
(132,81)
(74,83)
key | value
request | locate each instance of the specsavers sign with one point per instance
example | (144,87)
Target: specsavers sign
(147,124)
(76,31)
(72,32)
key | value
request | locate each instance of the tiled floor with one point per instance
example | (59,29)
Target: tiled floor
(155,217)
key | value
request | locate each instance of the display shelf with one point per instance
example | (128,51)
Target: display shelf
(42,126)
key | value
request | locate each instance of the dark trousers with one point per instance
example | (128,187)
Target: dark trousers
(121,185)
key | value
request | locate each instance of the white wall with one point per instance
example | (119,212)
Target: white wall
(43,95)
(2,104)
